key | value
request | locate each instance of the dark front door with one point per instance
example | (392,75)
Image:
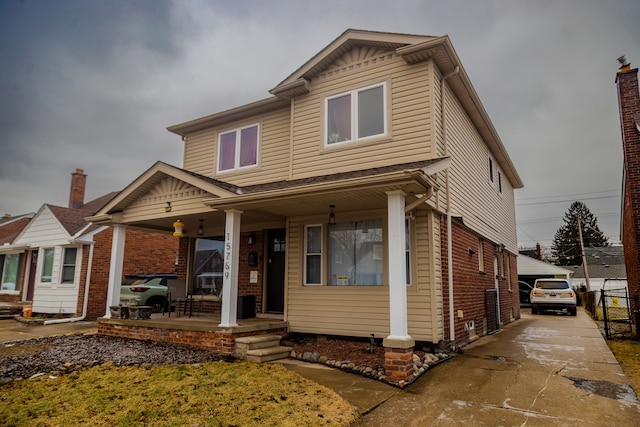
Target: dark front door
(275,270)
(32,274)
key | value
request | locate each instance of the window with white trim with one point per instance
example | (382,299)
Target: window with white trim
(355,253)
(355,115)
(47,265)
(69,265)
(10,269)
(407,249)
(238,148)
(499,181)
(313,255)
(481,255)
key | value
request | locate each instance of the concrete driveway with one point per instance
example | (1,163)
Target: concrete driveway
(543,370)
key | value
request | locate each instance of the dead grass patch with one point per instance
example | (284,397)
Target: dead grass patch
(627,352)
(208,394)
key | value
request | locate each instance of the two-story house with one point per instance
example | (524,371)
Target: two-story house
(369,194)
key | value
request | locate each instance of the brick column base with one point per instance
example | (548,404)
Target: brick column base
(398,364)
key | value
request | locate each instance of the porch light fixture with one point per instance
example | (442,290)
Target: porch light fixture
(178,226)
(168,207)
(332,216)
(252,239)
(201,228)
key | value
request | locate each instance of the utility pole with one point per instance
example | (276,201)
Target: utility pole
(584,258)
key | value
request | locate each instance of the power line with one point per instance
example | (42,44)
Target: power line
(567,200)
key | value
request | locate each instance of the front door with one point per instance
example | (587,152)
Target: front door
(276,250)
(32,274)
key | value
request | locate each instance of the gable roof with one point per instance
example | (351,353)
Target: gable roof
(73,220)
(603,262)
(413,49)
(528,266)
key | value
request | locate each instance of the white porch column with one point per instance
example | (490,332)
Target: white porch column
(115,269)
(396,266)
(228,317)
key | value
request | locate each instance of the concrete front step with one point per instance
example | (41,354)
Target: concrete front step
(269,354)
(245,344)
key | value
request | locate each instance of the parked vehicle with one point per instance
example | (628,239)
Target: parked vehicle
(525,293)
(151,291)
(553,294)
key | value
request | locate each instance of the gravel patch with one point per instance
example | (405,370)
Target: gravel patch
(24,359)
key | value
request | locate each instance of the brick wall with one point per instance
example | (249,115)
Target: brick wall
(470,283)
(144,252)
(629,105)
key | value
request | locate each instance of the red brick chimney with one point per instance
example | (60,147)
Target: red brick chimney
(629,107)
(78,183)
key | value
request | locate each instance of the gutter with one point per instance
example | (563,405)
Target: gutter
(86,295)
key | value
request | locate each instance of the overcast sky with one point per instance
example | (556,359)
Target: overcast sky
(93,84)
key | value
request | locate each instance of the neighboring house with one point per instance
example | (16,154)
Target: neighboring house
(530,269)
(370,194)
(605,263)
(629,107)
(65,260)
(11,259)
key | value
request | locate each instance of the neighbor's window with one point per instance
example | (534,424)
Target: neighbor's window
(10,268)
(69,265)
(47,265)
(499,181)
(313,255)
(238,148)
(355,253)
(355,115)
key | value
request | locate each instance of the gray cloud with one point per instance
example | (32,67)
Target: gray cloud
(94,85)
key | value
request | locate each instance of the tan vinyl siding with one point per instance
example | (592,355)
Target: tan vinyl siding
(483,208)
(273,150)
(360,310)
(408,123)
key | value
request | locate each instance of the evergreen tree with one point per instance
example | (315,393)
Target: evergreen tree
(566,242)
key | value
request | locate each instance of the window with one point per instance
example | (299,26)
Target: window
(69,265)
(238,148)
(407,240)
(208,266)
(47,265)
(313,255)
(499,181)
(10,269)
(355,253)
(490,169)
(355,115)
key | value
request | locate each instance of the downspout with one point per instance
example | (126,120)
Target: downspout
(452,332)
(86,295)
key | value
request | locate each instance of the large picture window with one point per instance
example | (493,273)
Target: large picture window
(355,253)
(47,265)
(355,115)
(69,265)
(238,148)
(10,269)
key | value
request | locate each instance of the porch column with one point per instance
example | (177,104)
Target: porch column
(228,317)
(398,346)
(115,269)
(396,266)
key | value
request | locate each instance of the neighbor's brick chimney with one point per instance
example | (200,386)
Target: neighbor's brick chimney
(78,183)
(629,108)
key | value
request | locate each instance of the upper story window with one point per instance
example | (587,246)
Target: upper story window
(356,114)
(238,148)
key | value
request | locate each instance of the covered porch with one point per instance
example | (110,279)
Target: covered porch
(202,330)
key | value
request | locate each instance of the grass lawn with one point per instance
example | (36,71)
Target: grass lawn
(208,394)
(627,352)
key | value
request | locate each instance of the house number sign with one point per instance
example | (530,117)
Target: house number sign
(228,244)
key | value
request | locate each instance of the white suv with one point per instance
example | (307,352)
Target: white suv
(553,294)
